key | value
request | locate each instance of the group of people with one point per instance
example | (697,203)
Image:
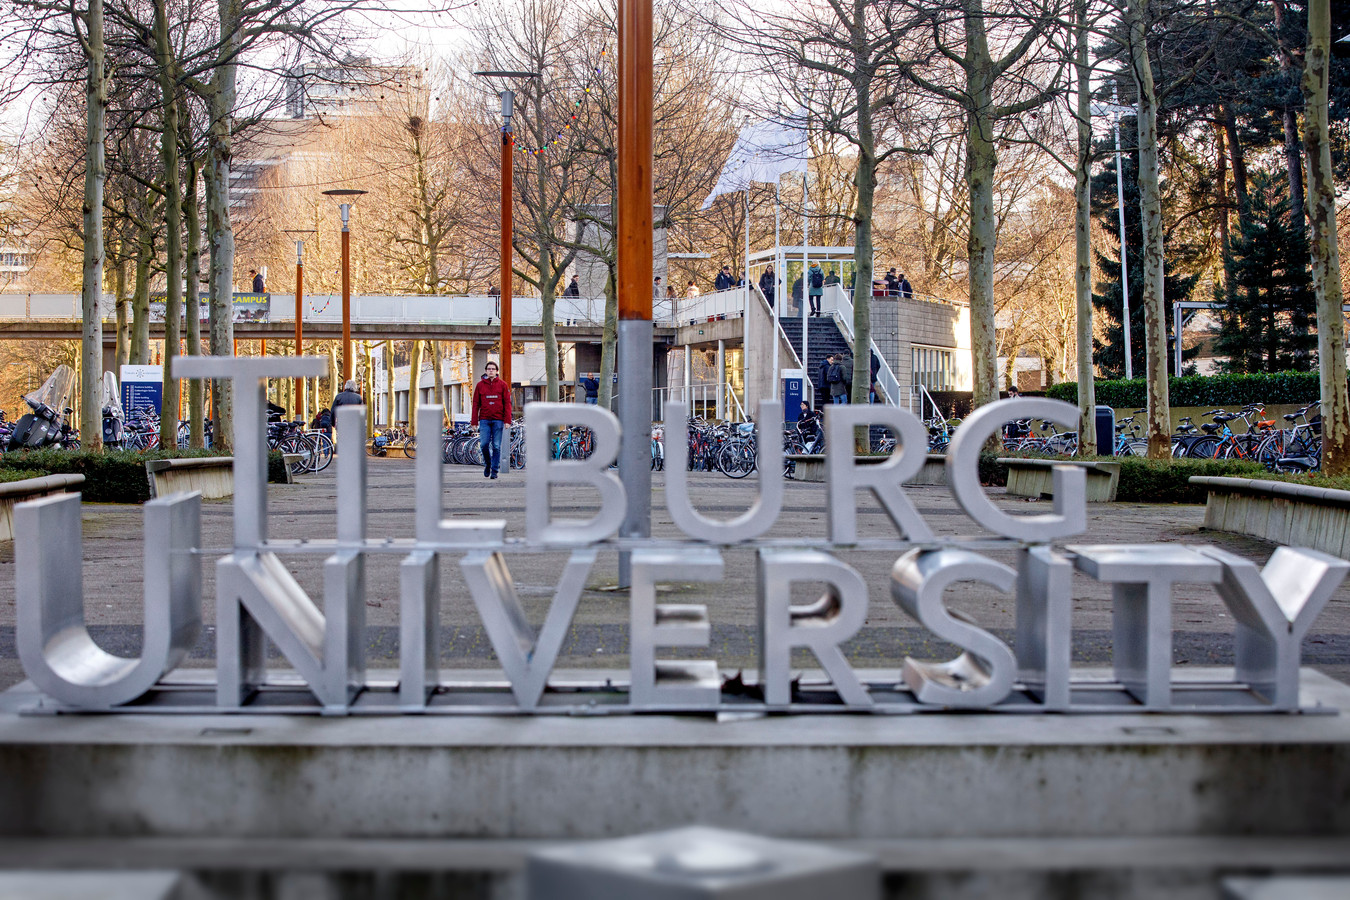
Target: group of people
(836,377)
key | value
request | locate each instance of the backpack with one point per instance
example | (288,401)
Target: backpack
(817,278)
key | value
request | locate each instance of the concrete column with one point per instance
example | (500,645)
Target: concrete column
(688,372)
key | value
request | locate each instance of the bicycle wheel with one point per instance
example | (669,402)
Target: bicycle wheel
(299,446)
(736,459)
(323,449)
(1242,446)
(1271,450)
(1202,447)
(410,447)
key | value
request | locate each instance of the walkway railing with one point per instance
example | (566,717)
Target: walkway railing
(709,307)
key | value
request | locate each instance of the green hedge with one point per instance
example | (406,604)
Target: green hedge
(1203,390)
(111,476)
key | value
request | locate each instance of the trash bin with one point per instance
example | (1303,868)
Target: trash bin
(1106,431)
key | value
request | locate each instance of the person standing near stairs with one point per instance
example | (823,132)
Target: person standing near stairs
(815,286)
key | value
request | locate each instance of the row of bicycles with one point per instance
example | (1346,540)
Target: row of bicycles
(1245,434)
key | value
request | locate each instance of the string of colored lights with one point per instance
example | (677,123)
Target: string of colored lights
(576,108)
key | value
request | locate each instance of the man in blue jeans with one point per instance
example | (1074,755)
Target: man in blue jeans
(491,413)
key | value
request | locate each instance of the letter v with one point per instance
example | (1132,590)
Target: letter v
(526,660)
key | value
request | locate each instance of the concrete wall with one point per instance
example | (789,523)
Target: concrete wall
(898,324)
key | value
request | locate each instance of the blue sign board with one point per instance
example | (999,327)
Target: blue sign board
(142,389)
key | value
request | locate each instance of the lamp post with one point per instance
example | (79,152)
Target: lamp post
(1116,111)
(508,108)
(346,209)
(300,312)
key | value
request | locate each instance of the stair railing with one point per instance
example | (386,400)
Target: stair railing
(764,301)
(837,304)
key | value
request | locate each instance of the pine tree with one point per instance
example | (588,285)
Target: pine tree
(1109,353)
(1267,324)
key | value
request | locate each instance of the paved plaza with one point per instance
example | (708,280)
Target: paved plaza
(113,552)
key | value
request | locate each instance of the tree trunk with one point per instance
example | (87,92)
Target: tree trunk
(369,392)
(1239,162)
(218,214)
(438,378)
(609,338)
(334,386)
(139,354)
(193,309)
(865,184)
(390,413)
(981,161)
(1087,388)
(414,384)
(548,302)
(173,222)
(91,288)
(1326,262)
(1159,425)
(122,350)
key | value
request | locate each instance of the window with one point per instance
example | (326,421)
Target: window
(934,368)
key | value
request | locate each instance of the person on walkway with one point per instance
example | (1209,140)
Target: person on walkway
(492,290)
(892,284)
(767,282)
(831,277)
(258,286)
(692,290)
(573,288)
(906,292)
(657,290)
(591,385)
(724,281)
(823,382)
(491,413)
(874,366)
(797,295)
(815,278)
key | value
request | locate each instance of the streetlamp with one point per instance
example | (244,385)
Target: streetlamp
(299,312)
(508,108)
(346,209)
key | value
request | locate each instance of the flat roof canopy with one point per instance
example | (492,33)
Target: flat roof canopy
(831,254)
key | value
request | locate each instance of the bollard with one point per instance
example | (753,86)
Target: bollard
(700,863)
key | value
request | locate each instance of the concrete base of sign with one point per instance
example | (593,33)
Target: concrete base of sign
(960,805)
(1297,515)
(12,492)
(1033,477)
(213,476)
(811,467)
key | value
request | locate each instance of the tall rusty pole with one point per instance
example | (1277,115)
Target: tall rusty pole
(507,175)
(300,407)
(508,146)
(634,272)
(346,210)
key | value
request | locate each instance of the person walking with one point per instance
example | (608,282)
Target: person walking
(691,291)
(657,290)
(347,396)
(591,385)
(837,382)
(573,288)
(906,292)
(259,287)
(724,281)
(767,282)
(873,367)
(824,380)
(815,278)
(491,413)
(892,284)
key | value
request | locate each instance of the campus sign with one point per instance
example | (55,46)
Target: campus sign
(243,307)
(323,639)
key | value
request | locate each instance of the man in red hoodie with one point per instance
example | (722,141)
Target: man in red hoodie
(491,413)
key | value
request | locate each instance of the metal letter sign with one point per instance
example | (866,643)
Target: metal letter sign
(258,599)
